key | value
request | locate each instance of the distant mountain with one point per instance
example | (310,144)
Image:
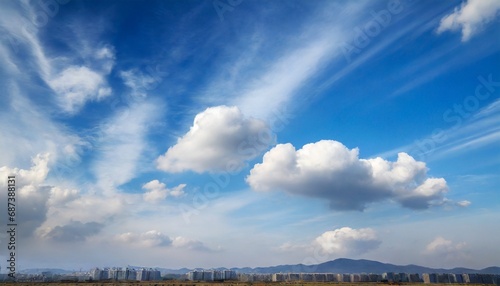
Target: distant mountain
(341,265)
(40,270)
(174,271)
(164,271)
(344,265)
(490,270)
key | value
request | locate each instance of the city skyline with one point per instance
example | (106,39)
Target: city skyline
(249,133)
(462,276)
(338,266)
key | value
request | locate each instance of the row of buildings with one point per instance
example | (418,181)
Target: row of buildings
(122,274)
(149,274)
(351,278)
(461,278)
(212,275)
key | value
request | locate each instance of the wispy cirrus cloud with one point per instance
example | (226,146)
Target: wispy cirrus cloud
(121,143)
(31,131)
(40,86)
(480,128)
(72,83)
(277,86)
(139,83)
(259,87)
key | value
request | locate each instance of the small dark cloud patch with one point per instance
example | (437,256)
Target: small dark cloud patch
(74,231)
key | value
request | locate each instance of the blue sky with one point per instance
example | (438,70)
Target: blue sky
(251,133)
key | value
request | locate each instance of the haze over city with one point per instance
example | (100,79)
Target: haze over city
(239,133)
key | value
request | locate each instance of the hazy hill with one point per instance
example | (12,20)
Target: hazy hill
(344,265)
(40,270)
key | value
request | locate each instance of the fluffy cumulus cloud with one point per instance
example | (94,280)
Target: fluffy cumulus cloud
(31,191)
(76,85)
(152,238)
(442,248)
(329,170)
(85,208)
(60,196)
(220,139)
(156,191)
(470,18)
(346,241)
(54,212)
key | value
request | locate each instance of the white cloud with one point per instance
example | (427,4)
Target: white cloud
(467,134)
(75,231)
(55,212)
(329,170)
(152,238)
(139,83)
(16,18)
(220,139)
(263,85)
(121,143)
(31,191)
(59,196)
(346,241)
(288,246)
(106,57)
(30,131)
(464,203)
(34,176)
(432,189)
(86,208)
(75,85)
(278,85)
(75,78)
(39,199)
(78,84)
(470,18)
(182,242)
(442,246)
(156,191)
(177,191)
